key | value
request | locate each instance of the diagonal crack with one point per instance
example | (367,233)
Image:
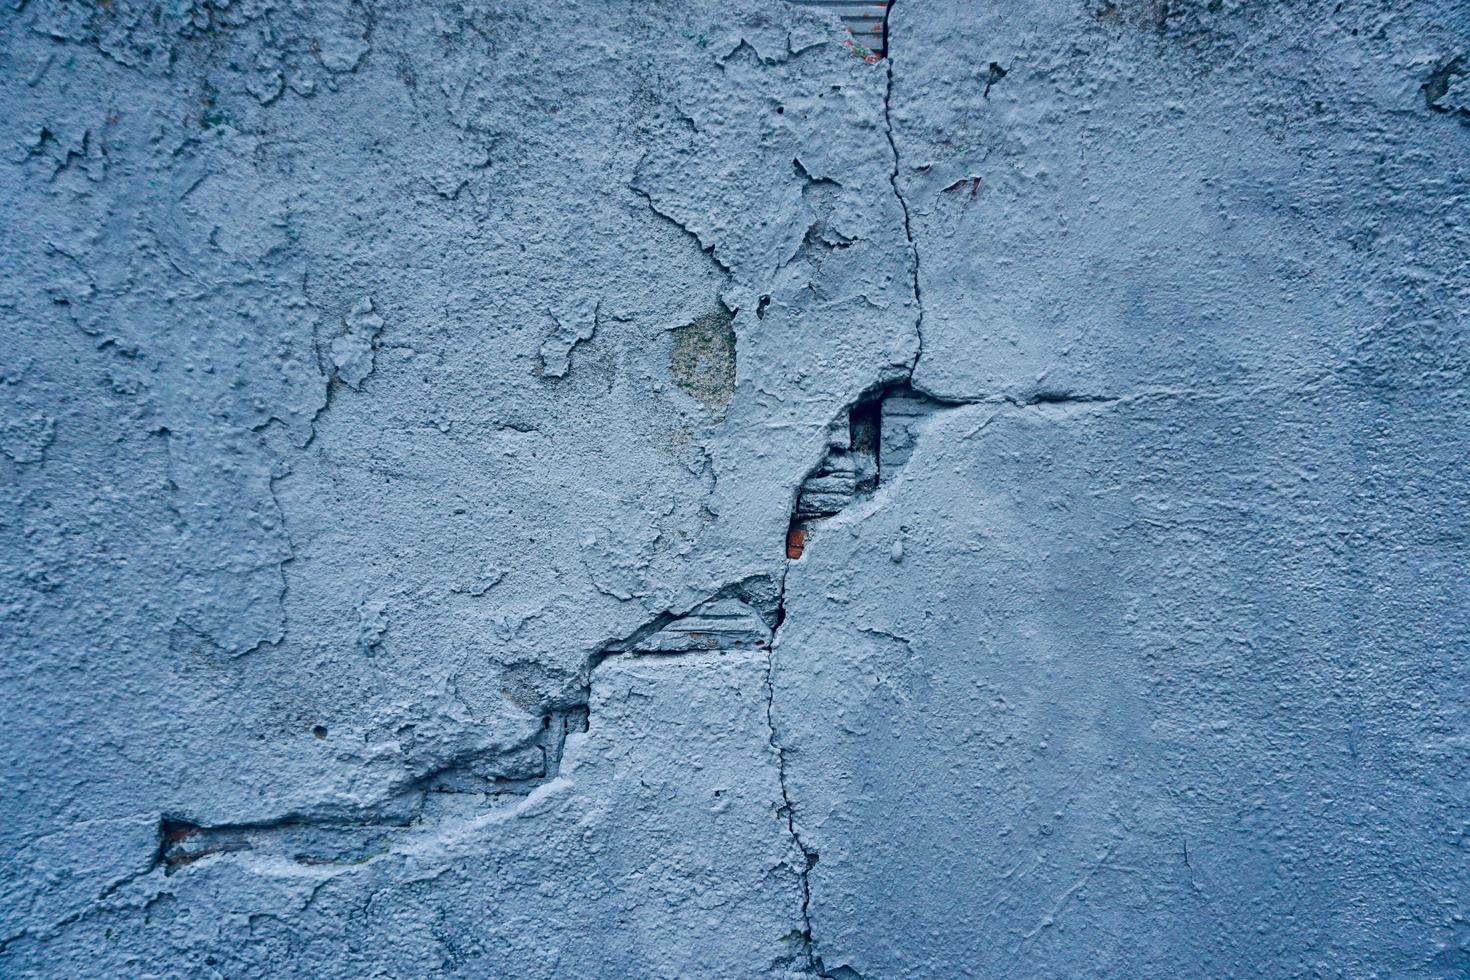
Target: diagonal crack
(709,250)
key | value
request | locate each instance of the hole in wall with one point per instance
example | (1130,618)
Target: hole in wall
(869,442)
(867,22)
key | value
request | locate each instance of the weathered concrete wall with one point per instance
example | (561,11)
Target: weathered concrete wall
(639,489)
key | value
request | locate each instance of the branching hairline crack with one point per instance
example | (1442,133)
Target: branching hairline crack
(868,444)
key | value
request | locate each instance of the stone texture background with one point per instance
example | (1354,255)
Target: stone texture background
(404,406)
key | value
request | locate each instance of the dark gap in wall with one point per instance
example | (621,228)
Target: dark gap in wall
(867,444)
(865,432)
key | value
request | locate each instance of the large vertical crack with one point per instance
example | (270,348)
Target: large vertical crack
(868,443)
(809,858)
(903,204)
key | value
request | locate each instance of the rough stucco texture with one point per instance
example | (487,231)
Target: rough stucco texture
(623,488)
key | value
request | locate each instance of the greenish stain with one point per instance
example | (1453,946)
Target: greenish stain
(211,115)
(703,359)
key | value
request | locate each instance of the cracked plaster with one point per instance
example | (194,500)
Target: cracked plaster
(396,563)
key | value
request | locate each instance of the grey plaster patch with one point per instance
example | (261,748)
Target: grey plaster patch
(702,360)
